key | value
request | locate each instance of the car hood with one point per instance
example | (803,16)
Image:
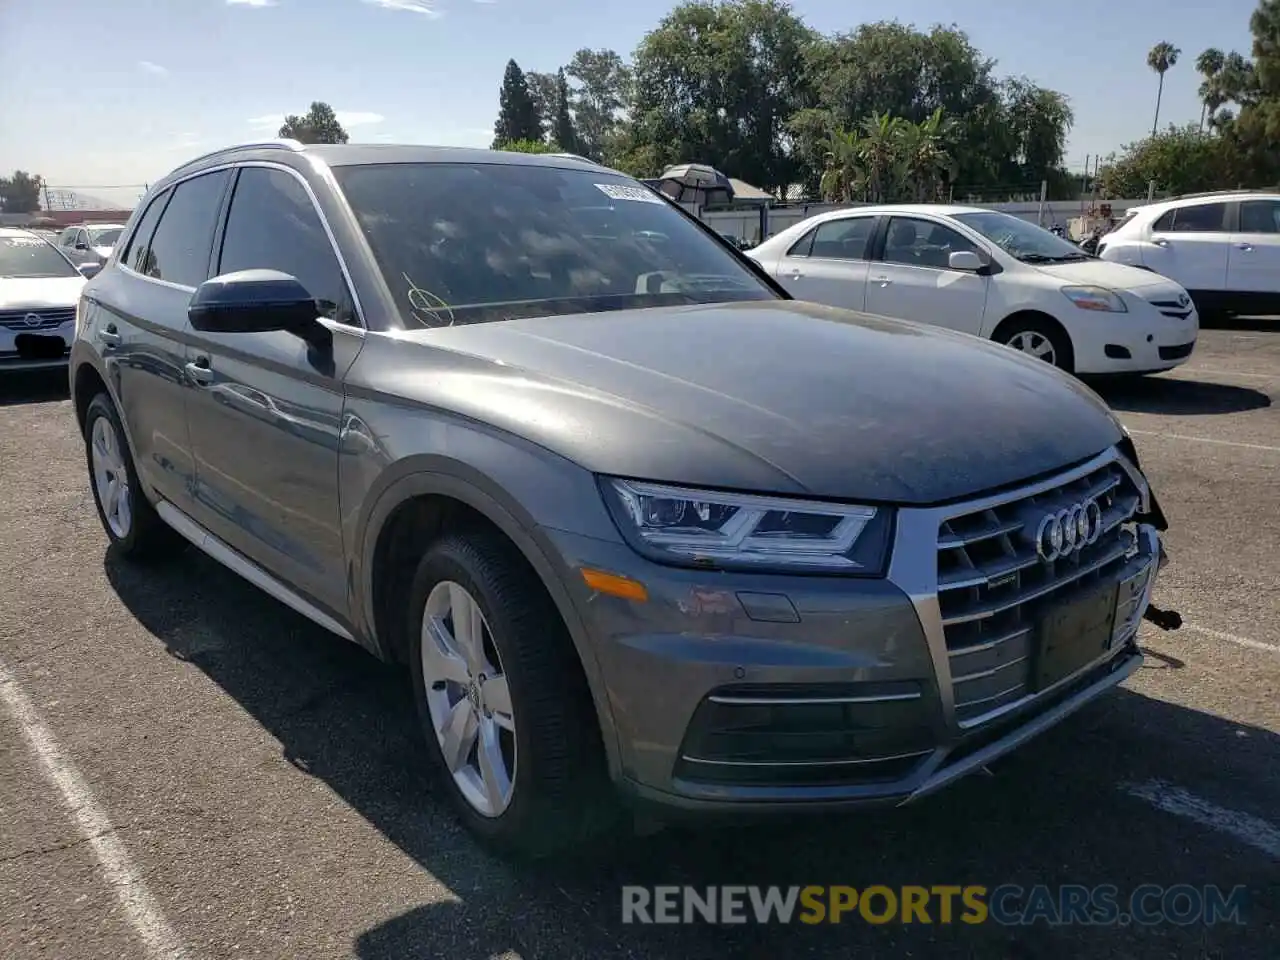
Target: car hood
(1103,273)
(103,252)
(18,292)
(778,396)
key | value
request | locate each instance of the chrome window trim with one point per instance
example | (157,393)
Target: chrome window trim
(913,568)
(315,205)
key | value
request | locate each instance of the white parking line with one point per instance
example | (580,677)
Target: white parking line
(1233,638)
(140,907)
(1246,828)
(1214,440)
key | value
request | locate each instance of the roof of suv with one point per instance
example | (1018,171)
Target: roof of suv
(1221,196)
(353,154)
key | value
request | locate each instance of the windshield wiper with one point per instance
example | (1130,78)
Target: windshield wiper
(1044,258)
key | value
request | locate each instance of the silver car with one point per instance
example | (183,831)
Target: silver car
(639,524)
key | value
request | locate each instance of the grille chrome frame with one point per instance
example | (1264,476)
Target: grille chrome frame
(923,533)
(51,318)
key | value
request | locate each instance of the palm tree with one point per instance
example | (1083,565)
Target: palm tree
(1209,65)
(1162,56)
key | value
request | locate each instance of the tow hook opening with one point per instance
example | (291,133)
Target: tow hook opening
(1164,619)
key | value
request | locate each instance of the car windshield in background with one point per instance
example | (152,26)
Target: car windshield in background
(32,257)
(105,238)
(1020,239)
(470,243)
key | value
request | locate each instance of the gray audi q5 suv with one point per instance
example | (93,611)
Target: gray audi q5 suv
(638,523)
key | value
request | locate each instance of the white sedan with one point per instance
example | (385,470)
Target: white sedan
(39,290)
(989,274)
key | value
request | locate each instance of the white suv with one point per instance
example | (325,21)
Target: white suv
(989,274)
(1223,247)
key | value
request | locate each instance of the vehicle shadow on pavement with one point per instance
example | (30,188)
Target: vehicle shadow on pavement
(1177,397)
(33,386)
(1050,814)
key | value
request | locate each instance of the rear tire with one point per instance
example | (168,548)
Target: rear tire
(131,523)
(502,699)
(1038,337)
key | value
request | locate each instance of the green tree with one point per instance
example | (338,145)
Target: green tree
(542,89)
(528,146)
(517,113)
(716,82)
(1209,65)
(1037,121)
(562,129)
(20,193)
(1180,160)
(599,99)
(1160,58)
(318,125)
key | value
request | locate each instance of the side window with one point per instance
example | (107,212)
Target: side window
(67,238)
(923,243)
(1198,218)
(179,248)
(273,224)
(135,255)
(843,239)
(1260,216)
(802,246)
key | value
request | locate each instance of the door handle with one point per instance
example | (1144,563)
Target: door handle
(109,334)
(883,281)
(199,371)
(1161,242)
(1244,246)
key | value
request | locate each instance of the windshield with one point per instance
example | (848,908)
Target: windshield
(480,242)
(32,257)
(1020,239)
(106,237)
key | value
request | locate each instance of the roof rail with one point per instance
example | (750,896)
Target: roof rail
(1218,193)
(279,144)
(573,156)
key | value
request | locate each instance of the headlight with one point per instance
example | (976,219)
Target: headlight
(740,531)
(1095,298)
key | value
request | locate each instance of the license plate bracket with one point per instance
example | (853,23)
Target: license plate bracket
(37,346)
(1073,633)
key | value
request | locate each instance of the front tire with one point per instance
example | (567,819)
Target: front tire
(502,699)
(1038,337)
(131,523)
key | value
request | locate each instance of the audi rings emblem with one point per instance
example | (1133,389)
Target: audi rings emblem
(1069,530)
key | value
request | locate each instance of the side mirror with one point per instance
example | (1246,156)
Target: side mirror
(89,270)
(81,245)
(965,260)
(259,301)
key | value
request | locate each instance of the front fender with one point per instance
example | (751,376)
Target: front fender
(430,475)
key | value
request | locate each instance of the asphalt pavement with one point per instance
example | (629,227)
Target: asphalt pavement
(188,769)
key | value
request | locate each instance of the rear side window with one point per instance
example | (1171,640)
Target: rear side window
(1260,216)
(842,239)
(1199,218)
(179,248)
(273,224)
(135,255)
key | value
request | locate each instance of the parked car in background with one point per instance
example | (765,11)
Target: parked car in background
(39,289)
(1224,248)
(989,274)
(90,243)
(634,519)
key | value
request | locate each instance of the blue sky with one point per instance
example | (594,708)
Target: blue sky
(117,92)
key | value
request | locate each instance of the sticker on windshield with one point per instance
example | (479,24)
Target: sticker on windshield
(617,191)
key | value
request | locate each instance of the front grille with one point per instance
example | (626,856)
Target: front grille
(1172,308)
(1180,352)
(32,321)
(993,588)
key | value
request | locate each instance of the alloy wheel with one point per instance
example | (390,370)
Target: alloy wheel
(1034,344)
(468,698)
(111,477)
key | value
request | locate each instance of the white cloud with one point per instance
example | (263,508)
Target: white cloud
(251,3)
(153,68)
(425,7)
